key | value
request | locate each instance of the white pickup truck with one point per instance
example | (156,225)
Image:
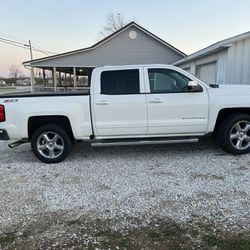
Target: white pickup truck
(139,104)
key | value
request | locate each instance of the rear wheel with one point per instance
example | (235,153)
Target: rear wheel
(234,134)
(51,144)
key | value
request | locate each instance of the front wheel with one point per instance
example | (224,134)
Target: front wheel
(51,144)
(234,134)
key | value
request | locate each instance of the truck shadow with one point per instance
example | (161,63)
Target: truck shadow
(83,151)
(209,146)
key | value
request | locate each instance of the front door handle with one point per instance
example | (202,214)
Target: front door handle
(156,101)
(102,103)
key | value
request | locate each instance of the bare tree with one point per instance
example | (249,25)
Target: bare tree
(14,71)
(114,22)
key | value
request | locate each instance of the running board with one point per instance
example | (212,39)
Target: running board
(16,144)
(110,143)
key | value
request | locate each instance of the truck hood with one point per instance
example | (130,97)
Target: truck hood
(232,89)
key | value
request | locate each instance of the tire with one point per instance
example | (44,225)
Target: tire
(233,134)
(51,144)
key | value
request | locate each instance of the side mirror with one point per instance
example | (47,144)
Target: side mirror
(193,86)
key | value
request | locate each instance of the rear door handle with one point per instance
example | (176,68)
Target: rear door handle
(102,103)
(156,101)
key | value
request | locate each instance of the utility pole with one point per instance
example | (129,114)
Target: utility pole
(32,70)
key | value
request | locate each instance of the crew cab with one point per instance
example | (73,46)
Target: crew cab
(129,105)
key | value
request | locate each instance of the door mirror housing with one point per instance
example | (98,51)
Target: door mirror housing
(193,86)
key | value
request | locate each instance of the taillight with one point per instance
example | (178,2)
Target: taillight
(2,113)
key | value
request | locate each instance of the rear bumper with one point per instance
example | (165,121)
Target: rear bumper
(4,135)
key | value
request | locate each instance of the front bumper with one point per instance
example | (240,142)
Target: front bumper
(4,135)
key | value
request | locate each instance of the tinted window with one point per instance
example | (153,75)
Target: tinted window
(167,81)
(120,82)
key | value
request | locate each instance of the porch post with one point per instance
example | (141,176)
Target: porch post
(60,80)
(32,83)
(54,78)
(74,76)
(70,83)
(44,82)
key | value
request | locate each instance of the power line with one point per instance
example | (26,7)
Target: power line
(12,41)
(38,47)
(14,37)
(22,45)
(42,51)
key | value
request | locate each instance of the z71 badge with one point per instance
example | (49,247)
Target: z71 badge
(10,100)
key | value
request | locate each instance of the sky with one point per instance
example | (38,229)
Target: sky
(63,25)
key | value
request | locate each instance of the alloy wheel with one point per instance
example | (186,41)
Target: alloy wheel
(240,135)
(50,145)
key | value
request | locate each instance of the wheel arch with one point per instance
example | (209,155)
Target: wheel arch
(35,122)
(225,112)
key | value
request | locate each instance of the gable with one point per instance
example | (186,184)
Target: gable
(119,49)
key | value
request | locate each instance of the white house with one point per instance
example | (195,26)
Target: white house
(225,62)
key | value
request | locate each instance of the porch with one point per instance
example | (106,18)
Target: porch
(61,79)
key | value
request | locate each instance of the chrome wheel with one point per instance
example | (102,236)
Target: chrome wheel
(50,145)
(240,135)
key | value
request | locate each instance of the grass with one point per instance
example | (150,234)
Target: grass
(211,240)
(26,234)
(100,234)
(7,238)
(241,242)
(111,239)
(7,90)
(73,222)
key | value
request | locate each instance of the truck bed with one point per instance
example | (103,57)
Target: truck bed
(21,107)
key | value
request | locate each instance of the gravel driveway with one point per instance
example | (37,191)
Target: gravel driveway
(181,183)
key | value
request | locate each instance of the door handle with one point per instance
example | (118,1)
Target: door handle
(102,103)
(156,101)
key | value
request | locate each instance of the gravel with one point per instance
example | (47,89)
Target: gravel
(167,181)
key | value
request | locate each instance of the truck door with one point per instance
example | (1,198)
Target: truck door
(119,103)
(172,107)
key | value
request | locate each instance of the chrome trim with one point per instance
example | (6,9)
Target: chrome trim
(142,142)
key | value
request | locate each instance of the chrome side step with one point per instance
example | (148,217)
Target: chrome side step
(16,144)
(107,143)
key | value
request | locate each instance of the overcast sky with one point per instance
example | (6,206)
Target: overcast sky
(61,26)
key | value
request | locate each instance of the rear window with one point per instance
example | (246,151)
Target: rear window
(120,82)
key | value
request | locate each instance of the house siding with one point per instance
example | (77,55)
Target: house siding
(232,63)
(119,50)
(238,63)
